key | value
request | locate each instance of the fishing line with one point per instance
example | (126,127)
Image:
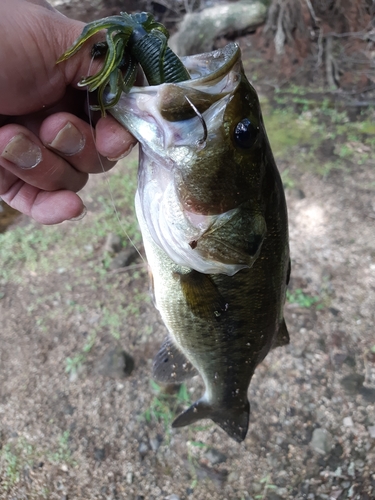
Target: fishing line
(122,227)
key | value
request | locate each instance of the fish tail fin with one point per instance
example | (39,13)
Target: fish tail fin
(234,421)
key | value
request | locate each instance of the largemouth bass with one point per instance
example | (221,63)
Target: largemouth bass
(212,212)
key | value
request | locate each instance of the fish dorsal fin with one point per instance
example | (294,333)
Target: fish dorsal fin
(282,337)
(171,366)
(234,420)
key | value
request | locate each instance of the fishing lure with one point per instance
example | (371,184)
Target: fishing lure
(131,40)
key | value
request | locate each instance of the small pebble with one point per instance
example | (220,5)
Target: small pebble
(123,259)
(233,477)
(257,488)
(351,469)
(143,449)
(113,243)
(99,454)
(348,422)
(59,485)
(115,363)
(155,444)
(351,491)
(337,494)
(322,441)
(352,383)
(215,456)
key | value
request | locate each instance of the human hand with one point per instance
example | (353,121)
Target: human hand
(47,146)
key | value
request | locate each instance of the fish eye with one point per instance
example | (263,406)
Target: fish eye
(245,133)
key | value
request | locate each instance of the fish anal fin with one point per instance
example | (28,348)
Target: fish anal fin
(282,337)
(170,364)
(233,420)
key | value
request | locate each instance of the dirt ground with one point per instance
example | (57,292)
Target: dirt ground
(77,422)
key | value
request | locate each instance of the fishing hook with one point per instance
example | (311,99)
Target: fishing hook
(202,141)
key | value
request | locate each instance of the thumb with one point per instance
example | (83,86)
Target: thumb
(33,37)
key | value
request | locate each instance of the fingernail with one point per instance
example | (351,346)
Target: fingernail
(22,152)
(81,215)
(125,153)
(68,141)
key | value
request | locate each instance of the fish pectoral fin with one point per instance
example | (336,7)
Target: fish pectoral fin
(202,295)
(282,337)
(170,365)
(234,420)
(235,239)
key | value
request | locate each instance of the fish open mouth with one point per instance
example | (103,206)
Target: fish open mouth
(187,188)
(162,116)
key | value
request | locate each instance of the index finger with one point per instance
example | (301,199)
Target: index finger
(86,149)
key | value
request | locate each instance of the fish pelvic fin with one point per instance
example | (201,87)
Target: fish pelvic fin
(171,366)
(234,421)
